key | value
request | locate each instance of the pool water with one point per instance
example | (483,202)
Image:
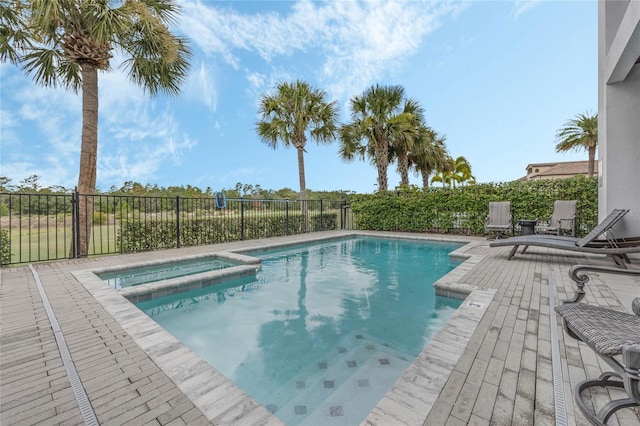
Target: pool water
(322,332)
(147,274)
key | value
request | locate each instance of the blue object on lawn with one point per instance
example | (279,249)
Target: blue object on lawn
(221,201)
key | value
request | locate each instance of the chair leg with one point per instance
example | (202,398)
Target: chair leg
(608,409)
(499,234)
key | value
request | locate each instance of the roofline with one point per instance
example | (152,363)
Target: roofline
(556,162)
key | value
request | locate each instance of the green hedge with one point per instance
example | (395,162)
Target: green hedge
(161,234)
(464,209)
(5,247)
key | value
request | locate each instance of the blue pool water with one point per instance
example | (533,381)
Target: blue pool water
(323,331)
(147,274)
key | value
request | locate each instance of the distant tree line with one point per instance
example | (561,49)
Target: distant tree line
(31,185)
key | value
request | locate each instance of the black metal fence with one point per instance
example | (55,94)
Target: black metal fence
(42,227)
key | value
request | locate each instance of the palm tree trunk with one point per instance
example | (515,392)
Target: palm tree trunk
(301,176)
(403,168)
(425,179)
(88,155)
(303,187)
(382,163)
(592,160)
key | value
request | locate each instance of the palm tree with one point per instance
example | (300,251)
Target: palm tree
(580,133)
(293,112)
(66,42)
(462,171)
(402,143)
(458,170)
(379,119)
(444,175)
(429,155)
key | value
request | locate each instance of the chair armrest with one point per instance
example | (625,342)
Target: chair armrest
(578,273)
(631,362)
(567,224)
(631,356)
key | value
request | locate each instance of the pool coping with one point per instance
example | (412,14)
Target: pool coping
(410,399)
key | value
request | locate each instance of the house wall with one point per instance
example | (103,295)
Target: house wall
(619,111)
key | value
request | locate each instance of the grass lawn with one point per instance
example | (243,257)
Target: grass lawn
(45,238)
(54,243)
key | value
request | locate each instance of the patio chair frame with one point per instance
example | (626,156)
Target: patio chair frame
(613,335)
(562,220)
(499,219)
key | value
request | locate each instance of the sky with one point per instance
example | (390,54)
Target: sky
(497,78)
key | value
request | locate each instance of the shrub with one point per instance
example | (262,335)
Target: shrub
(464,209)
(5,247)
(161,234)
(99,218)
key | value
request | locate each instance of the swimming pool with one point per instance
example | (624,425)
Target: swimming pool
(322,331)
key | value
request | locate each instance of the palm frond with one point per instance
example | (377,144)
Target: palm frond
(70,73)
(158,67)
(578,133)
(13,38)
(41,64)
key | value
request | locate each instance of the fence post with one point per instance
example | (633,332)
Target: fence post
(75,224)
(286,217)
(242,218)
(178,221)
(321,221)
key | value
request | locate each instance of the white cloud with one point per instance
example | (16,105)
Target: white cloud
(356,41)
(54,140)
(200,86)
(8,124)
(523,6)
(134,139)
(256,80)
(136,146)
(262,83)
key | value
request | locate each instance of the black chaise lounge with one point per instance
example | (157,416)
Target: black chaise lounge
(613,335)
(616,248)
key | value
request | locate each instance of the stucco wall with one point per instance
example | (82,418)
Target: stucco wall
(619,142)
(619,112)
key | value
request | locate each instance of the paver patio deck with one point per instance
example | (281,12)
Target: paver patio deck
(503,375)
